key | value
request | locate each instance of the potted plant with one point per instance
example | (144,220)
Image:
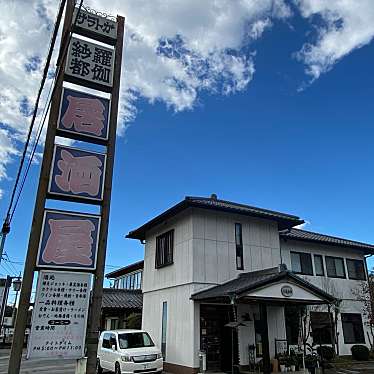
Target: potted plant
(292,362)
(311,363)
(282,359)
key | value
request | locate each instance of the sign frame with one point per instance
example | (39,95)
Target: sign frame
(68,268)
(85,31)
(60,131)
(76,79)
(40,278)
(72,197)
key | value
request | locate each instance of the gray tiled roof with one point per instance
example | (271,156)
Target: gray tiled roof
(284,220)
(118,298)
(240,208)
(246,282)
(327,239)
(139,265)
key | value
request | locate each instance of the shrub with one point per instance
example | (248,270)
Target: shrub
(360,352)
(326,352)
(134,321)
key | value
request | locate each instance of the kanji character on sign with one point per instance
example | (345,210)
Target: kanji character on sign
(69,241)
(79,174)
(100,73)
(103,56)
(86,115)
(79,67)
(80,50)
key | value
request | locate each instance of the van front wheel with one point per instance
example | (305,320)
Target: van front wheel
(117,368)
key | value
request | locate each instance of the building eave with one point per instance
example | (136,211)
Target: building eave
(283,220)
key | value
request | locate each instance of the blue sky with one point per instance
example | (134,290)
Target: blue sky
(306,152)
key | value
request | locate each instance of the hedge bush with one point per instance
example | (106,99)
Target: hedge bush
(360,352)
(326,352)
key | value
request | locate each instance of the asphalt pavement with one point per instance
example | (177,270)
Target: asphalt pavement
(55,366)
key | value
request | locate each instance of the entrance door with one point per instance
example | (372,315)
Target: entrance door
(216,339)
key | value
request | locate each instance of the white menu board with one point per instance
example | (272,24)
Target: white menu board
(59,318)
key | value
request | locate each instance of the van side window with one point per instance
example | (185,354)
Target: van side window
(106,341)
(113,341)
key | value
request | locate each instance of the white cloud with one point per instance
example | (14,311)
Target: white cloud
(302,226)
(174,49)
(344,26)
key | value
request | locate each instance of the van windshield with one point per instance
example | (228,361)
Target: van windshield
(135,340)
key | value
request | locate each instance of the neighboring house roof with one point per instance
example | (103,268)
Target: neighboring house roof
(284,220)
(122,299)
(296,234)
(126,269)
(247,282)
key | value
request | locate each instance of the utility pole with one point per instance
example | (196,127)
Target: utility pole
(102,72)
(28,274)
(97,292)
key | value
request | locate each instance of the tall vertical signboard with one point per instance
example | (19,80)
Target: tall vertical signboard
(68,248)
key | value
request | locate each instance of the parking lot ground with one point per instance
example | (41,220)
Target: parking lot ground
(53,366)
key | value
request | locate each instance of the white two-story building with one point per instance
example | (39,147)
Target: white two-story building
(209,262)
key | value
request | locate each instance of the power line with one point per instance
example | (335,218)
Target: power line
(36,106)
(61,58)
(6,224)
(64,48)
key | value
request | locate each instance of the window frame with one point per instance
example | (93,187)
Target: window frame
(239,246)
(363,269)
(322,263)
(106,339)
(322,331)
(361,326)
(164,329)
(327,269)
(301,266)
(163,261)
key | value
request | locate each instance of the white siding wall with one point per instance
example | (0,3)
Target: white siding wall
(276,326)
(214,251)
(344,289)
(181,271)
(181,323)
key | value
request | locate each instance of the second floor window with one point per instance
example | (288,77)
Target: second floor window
(301,263)
(318,265)
(239,246)
(335,267)
(164,249)
(356,269)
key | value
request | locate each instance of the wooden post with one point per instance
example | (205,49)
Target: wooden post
(28,274)
(97,292)
(265,339)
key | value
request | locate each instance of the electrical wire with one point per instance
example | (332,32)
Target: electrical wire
(36,106)
(10,263)
(64,47)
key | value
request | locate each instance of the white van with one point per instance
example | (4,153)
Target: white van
(128,351)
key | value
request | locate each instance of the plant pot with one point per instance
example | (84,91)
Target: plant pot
(293,367)
(282,368)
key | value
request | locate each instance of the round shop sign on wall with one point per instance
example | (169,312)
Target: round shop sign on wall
(287,291)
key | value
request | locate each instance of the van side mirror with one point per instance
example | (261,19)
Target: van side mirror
(114,348)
